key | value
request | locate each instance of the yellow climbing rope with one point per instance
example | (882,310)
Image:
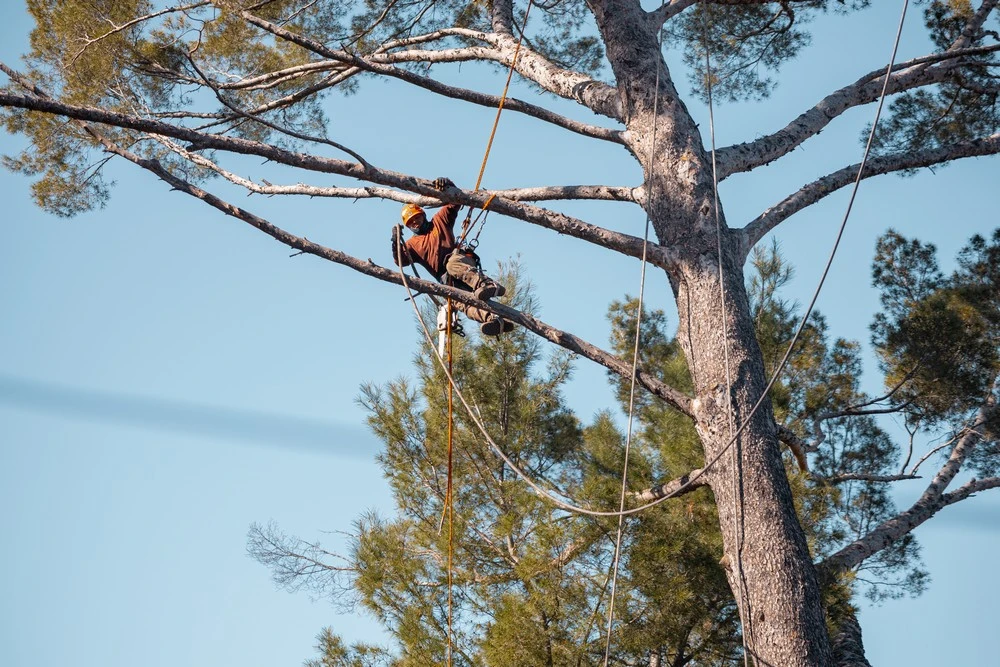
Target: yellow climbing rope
(466,226)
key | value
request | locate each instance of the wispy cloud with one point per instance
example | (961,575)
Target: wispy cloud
(261,428)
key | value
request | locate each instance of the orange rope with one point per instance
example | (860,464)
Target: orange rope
(451,419)
(503,97)
(448,493)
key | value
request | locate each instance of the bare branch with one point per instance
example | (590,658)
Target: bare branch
(276,77)
(564,224)
(885,397)
(858,412)
(971,487)
(930,503)
(575,192)
(861,477)
(257,119)
(830,183)
(296,564)
(906,76)
(945,445)
(599,97)
(128,24)
(573,343)
(676,487)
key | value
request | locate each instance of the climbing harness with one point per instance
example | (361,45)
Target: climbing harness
(468,227)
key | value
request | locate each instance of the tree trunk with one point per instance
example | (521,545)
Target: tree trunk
(770,569)
(848,649)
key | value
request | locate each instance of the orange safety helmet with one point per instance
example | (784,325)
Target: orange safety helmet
(410,211)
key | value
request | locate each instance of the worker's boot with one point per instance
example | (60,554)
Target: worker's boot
(489,289)
(492,326)
(496,326)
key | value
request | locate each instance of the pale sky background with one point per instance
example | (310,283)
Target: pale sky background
(169,375)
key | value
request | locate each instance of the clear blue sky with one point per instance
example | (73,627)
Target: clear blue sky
(169,375)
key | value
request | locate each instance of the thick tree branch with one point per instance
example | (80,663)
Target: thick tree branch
(573,343)
(974,25)
(796,445)
(549,193)
(502,16)
(906,76)
(564,224)
(830,183)
(668,10)
(848,649)
(596,96)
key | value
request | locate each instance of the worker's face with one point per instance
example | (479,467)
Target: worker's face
(419,224)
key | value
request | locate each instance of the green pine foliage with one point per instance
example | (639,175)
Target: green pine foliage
(938,337)
(531,581)
(965,107)
(747,46)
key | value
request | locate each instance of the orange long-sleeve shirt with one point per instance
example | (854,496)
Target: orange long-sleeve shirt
(431,250)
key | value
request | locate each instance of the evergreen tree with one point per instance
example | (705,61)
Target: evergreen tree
(180,90)
(529,580)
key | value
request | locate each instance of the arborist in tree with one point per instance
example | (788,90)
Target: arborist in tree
(433,246)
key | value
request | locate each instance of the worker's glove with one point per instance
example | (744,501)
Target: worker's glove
(397,245)
(442,183)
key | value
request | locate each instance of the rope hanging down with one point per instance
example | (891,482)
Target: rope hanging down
(734,436)
(466,228)
(449,500)
(735,462)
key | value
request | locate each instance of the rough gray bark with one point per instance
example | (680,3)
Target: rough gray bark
(848,649)
(780,603)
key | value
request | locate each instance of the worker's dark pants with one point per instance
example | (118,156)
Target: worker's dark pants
(465,273)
